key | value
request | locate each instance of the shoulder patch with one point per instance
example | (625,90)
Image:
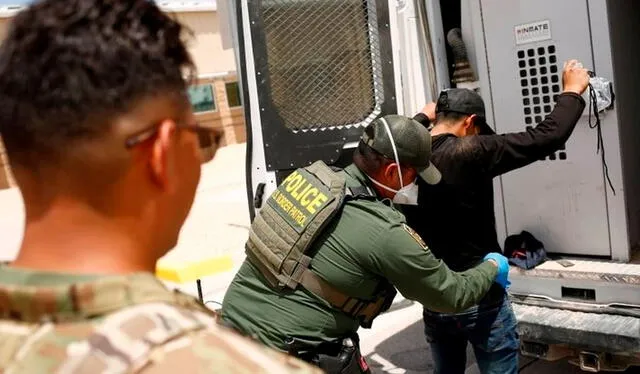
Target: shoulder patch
(414,235)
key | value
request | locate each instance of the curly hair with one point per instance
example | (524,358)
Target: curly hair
(67,68)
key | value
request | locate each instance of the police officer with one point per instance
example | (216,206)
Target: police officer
(328,247)
(104,147)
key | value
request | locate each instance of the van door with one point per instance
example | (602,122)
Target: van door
(314,73)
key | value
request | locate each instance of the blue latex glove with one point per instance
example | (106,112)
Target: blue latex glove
(503,269)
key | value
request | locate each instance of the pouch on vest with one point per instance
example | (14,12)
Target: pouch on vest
(286,227)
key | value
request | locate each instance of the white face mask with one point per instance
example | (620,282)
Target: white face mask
(406,195)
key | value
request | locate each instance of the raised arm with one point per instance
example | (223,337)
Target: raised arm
(498,154)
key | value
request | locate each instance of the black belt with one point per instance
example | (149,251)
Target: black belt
(340,356)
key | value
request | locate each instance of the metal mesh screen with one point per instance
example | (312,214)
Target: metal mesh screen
(540,82)
(323,61)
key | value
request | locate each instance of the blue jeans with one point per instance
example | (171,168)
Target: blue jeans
(491,330)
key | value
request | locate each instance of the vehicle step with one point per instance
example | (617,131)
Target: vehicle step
(585,270)
(589,331)
(596,282)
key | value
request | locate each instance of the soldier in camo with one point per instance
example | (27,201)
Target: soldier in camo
(105,150)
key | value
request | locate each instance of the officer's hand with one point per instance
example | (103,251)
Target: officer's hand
(575,78)
(503,268)
(429,110)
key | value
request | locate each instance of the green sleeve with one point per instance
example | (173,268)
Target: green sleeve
(404,259)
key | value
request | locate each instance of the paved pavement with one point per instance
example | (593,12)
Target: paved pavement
(218,225)
(219,219)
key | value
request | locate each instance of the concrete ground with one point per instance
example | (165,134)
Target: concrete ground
(217,227)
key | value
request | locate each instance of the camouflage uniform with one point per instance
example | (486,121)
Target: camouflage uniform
(63,323)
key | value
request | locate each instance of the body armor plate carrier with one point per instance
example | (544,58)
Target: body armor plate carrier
(284,230)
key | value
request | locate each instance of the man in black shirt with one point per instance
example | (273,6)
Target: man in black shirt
(469,155)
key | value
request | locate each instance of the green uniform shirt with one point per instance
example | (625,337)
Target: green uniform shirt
(68,324)
(366,243)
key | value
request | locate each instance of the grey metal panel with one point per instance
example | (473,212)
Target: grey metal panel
(474,38)
(611,134)
(587,330)
(583,266)
(562,202)
(419,81)
(438,42)
(605,292)
(612,283)
(623,16)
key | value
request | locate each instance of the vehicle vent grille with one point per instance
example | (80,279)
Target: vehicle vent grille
(540,84)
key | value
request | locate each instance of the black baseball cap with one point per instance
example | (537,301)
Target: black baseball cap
(412,143)
(464,101)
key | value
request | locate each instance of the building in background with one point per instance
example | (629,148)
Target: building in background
(215,95)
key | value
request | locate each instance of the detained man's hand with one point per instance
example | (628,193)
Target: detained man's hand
(575,78)
(429,110)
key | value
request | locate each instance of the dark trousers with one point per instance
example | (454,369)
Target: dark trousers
(491,330)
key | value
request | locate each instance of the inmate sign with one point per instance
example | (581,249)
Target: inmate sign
(299,198)
(533,32)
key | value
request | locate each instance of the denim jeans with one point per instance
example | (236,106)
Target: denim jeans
(491,330)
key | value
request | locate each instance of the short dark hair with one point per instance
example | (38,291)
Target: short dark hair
(368,159)
(68,68)
(450,117)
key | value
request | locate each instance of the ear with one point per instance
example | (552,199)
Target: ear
(160,163)
(390,172)
(469,122)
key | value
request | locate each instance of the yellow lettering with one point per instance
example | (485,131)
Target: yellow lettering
(286,205)
(294,182)
(298,216)
(296,194)
(283,202)
(319,200)
(289,205)
(293,213)
(306,198)
(290,176)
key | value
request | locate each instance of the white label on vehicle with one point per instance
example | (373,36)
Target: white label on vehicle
(533,32)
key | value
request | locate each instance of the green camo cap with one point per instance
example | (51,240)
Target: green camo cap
(412,142)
